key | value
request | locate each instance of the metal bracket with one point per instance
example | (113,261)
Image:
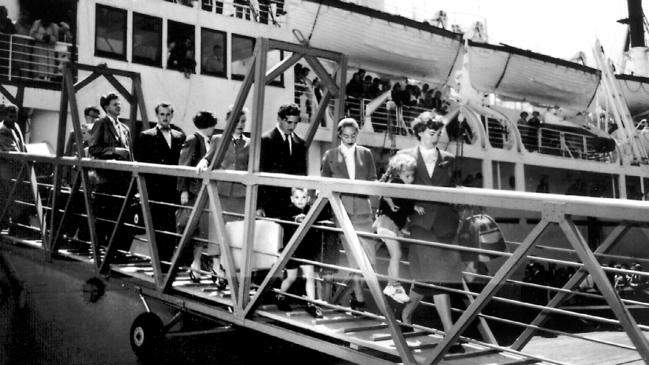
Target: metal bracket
(554,211)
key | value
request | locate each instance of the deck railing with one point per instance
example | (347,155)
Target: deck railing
(498,293)
(23,59)
(265,11)
(555,142)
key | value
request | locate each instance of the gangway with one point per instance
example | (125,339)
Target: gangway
(372,336)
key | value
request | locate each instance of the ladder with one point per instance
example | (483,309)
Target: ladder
(619,108)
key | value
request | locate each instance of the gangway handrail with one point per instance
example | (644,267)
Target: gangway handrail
(620,209)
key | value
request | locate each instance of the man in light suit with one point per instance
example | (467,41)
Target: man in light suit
(195,147)
(282,151)
(11,140)
(110,140)
(161,145)
(438,224)
(232,195)
(350,161)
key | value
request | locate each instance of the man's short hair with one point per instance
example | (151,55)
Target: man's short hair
(90,109)
(204,119)
(524,114)
(164,105)
(105,100)
(288,110)
(347,122)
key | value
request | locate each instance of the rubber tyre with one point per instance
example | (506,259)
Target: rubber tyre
(146,336)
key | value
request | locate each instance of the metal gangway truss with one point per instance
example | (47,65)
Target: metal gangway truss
(372,336)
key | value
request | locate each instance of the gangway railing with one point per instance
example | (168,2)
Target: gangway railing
(556,213)
(374,334)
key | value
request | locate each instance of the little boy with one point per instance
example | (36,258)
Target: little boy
(308,249)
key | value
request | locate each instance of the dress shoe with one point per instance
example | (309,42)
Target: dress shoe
(356,305)
(314,310)
(193,277)
(283,304)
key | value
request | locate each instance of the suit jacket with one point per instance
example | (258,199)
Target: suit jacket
(438,217)
(191,153)
(236,158)
(439,223)
(333,165)
(104,139)
(276,158)
(152,147)
(101,145)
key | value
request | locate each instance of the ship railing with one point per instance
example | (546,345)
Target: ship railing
(24,59)
(497,133)
(493,285)
(265,11)
(561,143)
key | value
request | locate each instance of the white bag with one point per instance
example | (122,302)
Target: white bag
(268,242)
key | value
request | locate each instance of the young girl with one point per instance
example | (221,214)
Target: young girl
(392,218)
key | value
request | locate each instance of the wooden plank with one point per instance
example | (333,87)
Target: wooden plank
(374,327)
(338,319)
(387,336)
(471,354)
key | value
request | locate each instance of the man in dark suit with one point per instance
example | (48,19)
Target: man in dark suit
(11,140)
(284,152)
(351,161)
(438,224)
(110,140)
(195,147)
(161,145)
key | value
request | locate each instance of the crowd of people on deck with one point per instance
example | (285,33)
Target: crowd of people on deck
(37,54)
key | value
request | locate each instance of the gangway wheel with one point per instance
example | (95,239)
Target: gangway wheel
(146,336)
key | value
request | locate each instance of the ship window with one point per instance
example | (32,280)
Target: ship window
(147,40)
(242,49)
(110,32)
(213,52)
(274,57)
(633,188)
(180,45)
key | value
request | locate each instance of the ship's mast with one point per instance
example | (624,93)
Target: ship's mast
(636,23)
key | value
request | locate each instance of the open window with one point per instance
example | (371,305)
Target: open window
(147,40)
(110,32)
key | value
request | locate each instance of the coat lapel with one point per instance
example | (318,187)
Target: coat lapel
(340,160)
(422,171)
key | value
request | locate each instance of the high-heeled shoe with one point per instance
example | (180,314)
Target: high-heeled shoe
(192,276)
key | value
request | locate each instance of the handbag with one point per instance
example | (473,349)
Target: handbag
(480,231)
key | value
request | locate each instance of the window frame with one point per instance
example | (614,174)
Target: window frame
(144,61)
(276,83)
(223,74)
(108,54)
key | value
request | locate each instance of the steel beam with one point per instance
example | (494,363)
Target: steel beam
(355,253)
(488,292)
(224,242)
(150,229)
(599,277)
(288,251)
(574,281)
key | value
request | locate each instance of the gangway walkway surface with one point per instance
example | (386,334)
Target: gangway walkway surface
(372,336)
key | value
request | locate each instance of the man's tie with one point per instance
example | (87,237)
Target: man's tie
(287,139)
